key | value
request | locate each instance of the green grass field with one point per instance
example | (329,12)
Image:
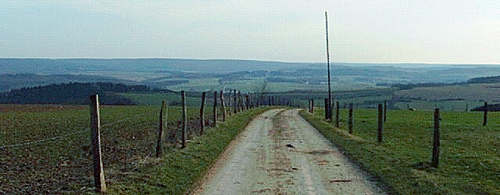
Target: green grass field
(459,106)
(46,149)
(470,153)
(469,92)
(207,84)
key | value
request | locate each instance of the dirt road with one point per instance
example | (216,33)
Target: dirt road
(280,153)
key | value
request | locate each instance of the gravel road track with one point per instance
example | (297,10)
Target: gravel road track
(281,153)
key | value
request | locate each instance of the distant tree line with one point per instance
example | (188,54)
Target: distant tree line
(415,85)
(72,93)
(491,107)
(494,79)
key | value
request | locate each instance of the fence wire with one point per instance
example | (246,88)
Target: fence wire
(51,164)
(66,135)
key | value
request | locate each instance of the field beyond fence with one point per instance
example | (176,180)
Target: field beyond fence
(469,156)
(47,148)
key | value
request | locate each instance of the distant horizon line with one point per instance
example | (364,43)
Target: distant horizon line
(236,59)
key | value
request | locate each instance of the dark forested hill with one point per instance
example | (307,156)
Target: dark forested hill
(16,81)
(494,79)
(71,93)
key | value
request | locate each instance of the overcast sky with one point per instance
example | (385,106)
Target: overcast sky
(393,31)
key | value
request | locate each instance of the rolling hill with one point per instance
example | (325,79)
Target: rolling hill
(247,75)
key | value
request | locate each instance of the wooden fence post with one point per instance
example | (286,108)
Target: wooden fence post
(238,101)
(184,119)
(326,108)
(223,106)
(330,110)
(202,113)
(229,104)
(161,124)
(250,104)
(380,123)
(237,96)
(435,148)
(242,103)
(95,125)
(485,115)
(350,124)
(235,106)
(215,109)
(385,110)
(337,115)
(312,105)
(247,102)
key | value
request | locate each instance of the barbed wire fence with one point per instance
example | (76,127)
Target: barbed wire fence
(64,163)
(367,120)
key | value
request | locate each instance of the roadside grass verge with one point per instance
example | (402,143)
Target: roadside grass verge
(470,153)
(179,169)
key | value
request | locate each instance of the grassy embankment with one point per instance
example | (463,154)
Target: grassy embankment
(178,170)
(470,153)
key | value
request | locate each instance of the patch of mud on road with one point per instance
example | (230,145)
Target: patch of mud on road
(280,153)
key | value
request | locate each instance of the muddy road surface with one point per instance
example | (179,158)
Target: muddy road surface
(281,153)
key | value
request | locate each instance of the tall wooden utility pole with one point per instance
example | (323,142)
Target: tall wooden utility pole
(329,112)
